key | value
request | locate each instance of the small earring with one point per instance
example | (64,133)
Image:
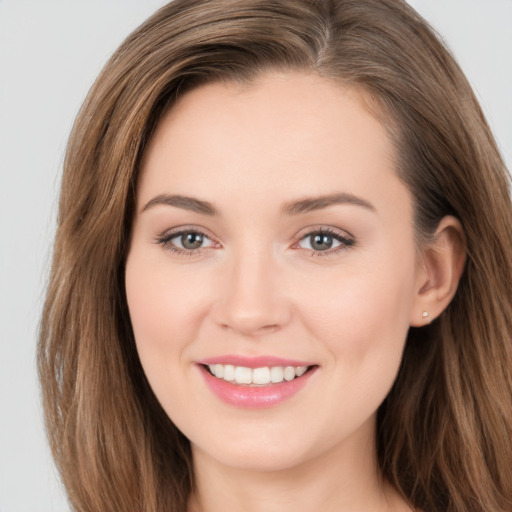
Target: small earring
(426,317)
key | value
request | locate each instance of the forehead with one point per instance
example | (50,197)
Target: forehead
(296,133)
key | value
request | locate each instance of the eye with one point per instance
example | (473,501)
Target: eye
(325,240)
(185,241)
(189,241)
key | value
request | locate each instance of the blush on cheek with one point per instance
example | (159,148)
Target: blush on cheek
(364,322)
(153,297)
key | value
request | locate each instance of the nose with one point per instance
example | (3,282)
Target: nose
(252,300)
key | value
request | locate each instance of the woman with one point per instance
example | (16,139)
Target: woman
(282,270)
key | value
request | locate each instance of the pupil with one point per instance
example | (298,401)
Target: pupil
(321,242)
(191,240)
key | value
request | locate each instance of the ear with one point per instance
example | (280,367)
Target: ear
(440,269)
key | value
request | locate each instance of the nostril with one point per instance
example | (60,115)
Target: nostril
(251,330)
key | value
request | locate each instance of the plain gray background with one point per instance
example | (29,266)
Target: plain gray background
(50,52)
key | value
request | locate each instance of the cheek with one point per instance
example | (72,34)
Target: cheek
(361,314)
(165,311)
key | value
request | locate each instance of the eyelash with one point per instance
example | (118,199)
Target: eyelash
(166,238)
(345,241)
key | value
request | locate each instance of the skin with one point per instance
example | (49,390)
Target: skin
(256,287)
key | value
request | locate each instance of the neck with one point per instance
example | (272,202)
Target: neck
(346,478)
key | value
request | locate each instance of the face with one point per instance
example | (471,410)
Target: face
(272,270)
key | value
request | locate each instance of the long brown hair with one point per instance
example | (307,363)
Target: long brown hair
(445,430)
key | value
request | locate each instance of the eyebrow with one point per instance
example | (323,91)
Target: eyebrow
(299,207)
(187,203)
(310,204)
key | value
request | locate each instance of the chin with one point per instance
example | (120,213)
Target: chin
(257,457)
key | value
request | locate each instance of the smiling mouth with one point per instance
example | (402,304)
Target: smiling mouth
(264,376)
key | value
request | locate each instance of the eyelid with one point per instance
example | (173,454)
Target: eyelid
(165,237)
(345,238)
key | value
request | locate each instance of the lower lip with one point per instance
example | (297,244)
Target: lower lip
(254,397)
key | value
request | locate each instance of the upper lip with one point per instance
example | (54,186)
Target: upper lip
(254,361)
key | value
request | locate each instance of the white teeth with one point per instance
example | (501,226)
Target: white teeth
(257,376)
(289,373)
(229,372)
(243,375)
(276,374)
(261,376)
(300,370)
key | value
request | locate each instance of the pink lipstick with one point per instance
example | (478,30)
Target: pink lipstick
(255,382)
